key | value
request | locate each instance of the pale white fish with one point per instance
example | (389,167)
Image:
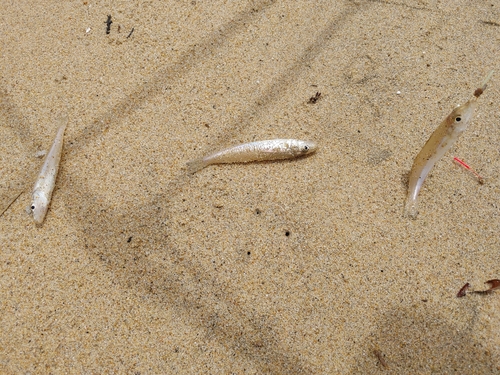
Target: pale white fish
(44,185)
(437,145)
(274,149)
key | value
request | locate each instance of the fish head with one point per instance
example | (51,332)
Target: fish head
(39,206)
(305,147)
(460,117)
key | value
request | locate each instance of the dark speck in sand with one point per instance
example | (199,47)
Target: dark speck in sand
(108,24)
(129,239)
(315,98)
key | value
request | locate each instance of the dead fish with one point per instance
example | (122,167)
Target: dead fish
(443,138)
(274,149)
(44,185)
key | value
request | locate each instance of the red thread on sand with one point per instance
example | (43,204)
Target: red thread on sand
(463,164)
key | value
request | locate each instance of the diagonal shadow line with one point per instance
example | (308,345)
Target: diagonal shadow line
(186,287)
(14,120)
(204,306)
(433,339)
(187,61)
(291,75)
(386,2)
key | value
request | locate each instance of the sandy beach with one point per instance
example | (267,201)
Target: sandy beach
(304,266)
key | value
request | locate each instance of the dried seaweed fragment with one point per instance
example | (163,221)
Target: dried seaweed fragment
(381,358)
(494,284)
(463,291)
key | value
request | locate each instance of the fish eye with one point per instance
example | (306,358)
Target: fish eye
(306,148)
(33,207)
(458,119)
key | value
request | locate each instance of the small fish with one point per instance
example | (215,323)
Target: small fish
(274,149)
(44,185)
(439,142)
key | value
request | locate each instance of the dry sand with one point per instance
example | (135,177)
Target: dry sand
(303,266)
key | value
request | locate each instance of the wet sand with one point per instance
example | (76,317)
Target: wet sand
(301,266)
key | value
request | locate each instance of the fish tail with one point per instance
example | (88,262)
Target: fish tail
(488,77)
(62,121)
(411,209)
(194,166)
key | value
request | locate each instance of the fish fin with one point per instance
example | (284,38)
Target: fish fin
(194,166)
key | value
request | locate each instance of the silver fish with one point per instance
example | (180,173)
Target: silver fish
(443,138)
(44,185)
(274,149)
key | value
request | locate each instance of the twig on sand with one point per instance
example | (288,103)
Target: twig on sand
(11,202)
